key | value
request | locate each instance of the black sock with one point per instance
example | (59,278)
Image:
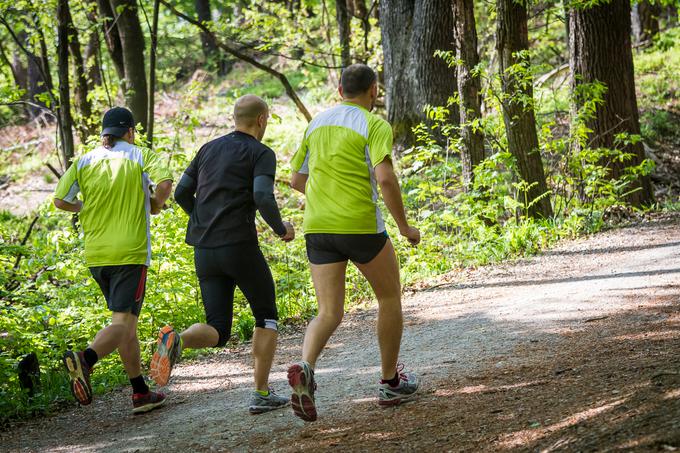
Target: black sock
(138,385)
(392,382)
(90,357)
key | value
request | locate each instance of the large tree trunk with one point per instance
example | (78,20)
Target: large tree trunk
(132,41)
(412,30)
(648,19)
(66,122)
(112,37)
(210,48)
(84,127)
(520,123)
(344,31)
(601,51)
(469,87)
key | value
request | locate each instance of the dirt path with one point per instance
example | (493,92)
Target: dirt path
(577,349)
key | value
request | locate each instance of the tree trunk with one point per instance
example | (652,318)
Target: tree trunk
(210,49)
(648,18)
(92,51)
(112,37)
(84,127)
(601,51)
(66,123)
(132,41)
(520,123)
(344,31)
(469,88)
(671,16)
(152,73)
(17,75)
(412,30)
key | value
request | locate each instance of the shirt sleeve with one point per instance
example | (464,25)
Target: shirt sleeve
(154,167)
(68,187)
(379,141)
(300,161)
(265,164)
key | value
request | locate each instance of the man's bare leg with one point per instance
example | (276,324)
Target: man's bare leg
(129,348)
(329,285)
(264,347)
(199,336)
(383,275)
(110,337)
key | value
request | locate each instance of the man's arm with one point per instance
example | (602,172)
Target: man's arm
(263,194)
(185,193)
(160,196)
(66,206)
(298,181)
(391,192)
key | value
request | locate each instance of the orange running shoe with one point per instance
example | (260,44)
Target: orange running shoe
(168,351)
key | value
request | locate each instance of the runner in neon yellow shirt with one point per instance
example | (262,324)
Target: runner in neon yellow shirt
(116,181)
(343,159)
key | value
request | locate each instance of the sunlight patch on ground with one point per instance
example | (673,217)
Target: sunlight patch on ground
(486,389)
(520,438)
(672,394)
(663,335)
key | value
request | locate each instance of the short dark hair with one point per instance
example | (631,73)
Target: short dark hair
(357,79)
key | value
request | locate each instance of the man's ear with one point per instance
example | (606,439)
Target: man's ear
(341,91)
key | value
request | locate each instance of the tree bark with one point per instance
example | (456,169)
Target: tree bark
(601,51)
(132,41)
(211,50)
(648,18)
(520,123)
(93,50)
(66,126)
(84,127)
(152,73)
(469,88)
(112,37)
(412,30)
(344,30)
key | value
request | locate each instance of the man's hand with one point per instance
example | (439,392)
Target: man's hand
(290,232)
(412,234)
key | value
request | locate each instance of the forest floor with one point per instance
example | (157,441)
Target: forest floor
(577,349)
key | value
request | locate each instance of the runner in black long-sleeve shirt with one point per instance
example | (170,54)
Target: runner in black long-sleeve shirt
(229,179)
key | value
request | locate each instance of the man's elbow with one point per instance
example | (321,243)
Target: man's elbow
(61,204)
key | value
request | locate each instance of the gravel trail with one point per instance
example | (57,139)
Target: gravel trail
(464,329)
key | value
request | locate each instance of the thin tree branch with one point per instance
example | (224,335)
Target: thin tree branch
(248,59)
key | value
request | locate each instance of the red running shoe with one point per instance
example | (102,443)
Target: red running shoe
(301,380)
(145,402)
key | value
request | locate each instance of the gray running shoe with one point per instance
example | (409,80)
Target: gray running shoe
(405,391)
(301,380)
(260,404)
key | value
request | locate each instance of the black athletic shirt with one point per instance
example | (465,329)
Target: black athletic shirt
(223,172)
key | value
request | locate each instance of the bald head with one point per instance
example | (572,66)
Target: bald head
(248,109)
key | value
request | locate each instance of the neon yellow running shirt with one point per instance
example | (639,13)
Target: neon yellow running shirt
(115,185)
(339,151)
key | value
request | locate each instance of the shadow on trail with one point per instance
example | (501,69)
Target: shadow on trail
(615,385)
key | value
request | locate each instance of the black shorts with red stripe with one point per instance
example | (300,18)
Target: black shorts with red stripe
(123,286)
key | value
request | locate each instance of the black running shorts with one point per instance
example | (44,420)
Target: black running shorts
(123,286)
(326,248)
(220,270)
